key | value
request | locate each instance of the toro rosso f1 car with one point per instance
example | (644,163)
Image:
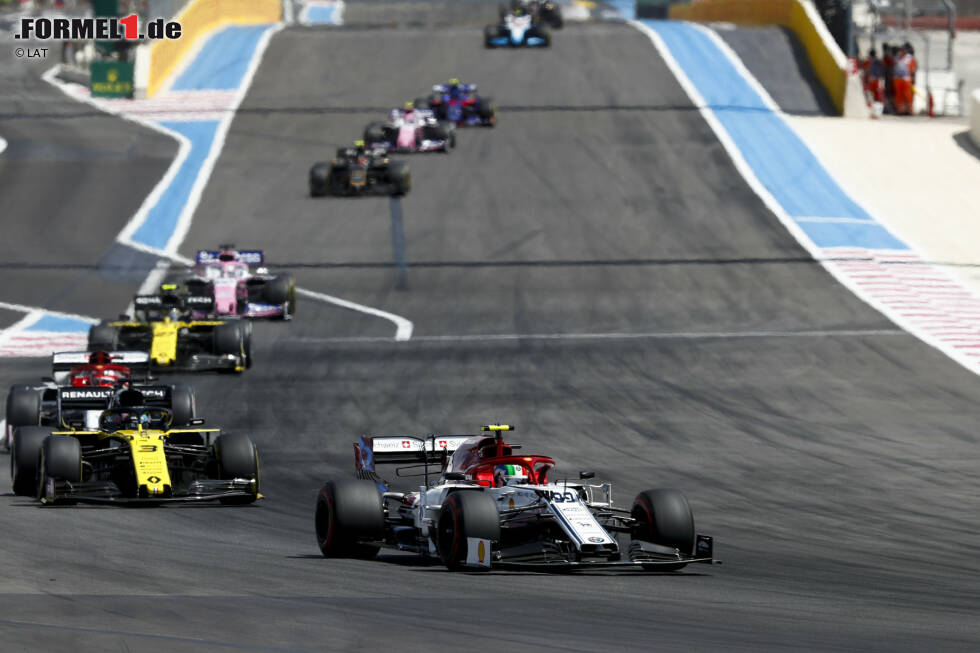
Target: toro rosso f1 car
(92,378)
(492,507)
(359,171)
(460,104)
(240,286)
(165,326)
(411,130)
(518,28)
(134,455)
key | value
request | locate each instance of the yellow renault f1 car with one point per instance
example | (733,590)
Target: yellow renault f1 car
(134,457)
(174,330)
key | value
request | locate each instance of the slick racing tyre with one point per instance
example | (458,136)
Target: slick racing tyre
(375,133)
(348,512)
(23,407)
(487,112)
(182,404)
(401,178)
(490,32)
(281,290)
(229,338)
(237,457)
(25,450)
(445,131)
(61,460)
(319,179)
(103,336)
(465,514)
(664,517)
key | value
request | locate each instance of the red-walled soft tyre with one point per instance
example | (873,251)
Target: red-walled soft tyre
(349,518)
(465,514)
(664,517)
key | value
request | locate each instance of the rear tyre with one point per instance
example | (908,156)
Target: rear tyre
(61,460)
(664,517)
(25,451)
(348,512)
(23,407)
(182,405)
(237,457)
(465,514)
(401,178)
(103,336)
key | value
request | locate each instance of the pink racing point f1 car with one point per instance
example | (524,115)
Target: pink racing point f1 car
(240,285)
(411,130)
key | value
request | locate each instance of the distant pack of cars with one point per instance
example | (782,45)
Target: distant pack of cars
(426,125)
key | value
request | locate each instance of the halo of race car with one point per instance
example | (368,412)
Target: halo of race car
(102,428)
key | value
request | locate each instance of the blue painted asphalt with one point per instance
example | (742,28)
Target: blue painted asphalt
(59,324)
(778,157)
(322,15)
(161,220)
(222,62)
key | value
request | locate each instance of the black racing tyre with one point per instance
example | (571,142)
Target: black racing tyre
(61,460)
(401,178)
(103,336)
(375,132)
(183,404)
(664,517)
(247,343)
(490,32)
(465,514)
(544,32)
(237,457)
(281,289)
(487,112)
(348,512)
(319,179)
(23,406)
(25,451)
(228,338)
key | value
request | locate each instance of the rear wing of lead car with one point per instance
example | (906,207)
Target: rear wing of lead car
(247,256)
(403,449)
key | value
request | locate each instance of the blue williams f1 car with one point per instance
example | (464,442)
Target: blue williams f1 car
(517,29)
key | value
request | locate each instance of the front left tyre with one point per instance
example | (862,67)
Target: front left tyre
(238,458)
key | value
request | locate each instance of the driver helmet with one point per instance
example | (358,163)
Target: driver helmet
(453,82)
(508,475)
(408,109)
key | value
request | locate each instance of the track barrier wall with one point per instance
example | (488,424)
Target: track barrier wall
(199,19)
(829,63)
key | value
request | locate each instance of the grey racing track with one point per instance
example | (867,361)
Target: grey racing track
(832,456)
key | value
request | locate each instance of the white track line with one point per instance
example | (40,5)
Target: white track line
(666,335)
(403,327)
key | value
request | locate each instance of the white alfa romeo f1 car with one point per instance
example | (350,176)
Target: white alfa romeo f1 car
(492,507)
